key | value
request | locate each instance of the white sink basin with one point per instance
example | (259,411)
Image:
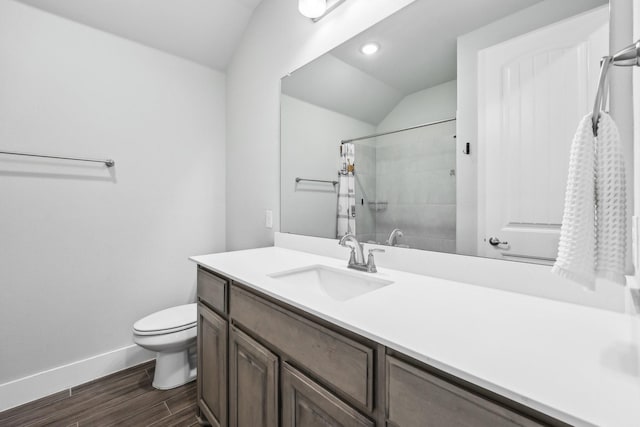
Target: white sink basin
(337,284)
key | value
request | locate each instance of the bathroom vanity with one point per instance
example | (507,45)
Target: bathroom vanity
(255,351)
(271,353)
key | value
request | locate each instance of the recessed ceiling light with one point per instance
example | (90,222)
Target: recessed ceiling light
(370,48)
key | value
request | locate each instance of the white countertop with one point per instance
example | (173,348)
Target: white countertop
(578,364)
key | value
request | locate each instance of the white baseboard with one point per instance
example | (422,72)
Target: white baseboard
(41,384)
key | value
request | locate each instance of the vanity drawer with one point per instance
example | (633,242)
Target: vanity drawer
(212,290)
(336,360)
(418,398)
(305,403)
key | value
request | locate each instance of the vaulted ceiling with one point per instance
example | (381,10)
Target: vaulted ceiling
(418,50)
(204,31)
(418,47)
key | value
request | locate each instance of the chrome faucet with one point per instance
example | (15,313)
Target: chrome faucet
(356,259)
(357,253)
(393,237)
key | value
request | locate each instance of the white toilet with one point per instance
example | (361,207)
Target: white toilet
(171,333)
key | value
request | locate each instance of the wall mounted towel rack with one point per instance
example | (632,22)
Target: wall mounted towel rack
(108,162)
(317,180)
(627,57)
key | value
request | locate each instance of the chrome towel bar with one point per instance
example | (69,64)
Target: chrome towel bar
(627,57)
(437,122)
(108,162)
(317,180)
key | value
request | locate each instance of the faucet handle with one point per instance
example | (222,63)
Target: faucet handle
(352,256)
(371,264)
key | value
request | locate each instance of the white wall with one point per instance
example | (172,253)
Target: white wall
(536,16)
(311,138)
(277,41)
(428,105)
(86,251)
(621,101)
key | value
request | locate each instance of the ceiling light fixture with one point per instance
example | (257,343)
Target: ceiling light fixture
(317,9)
(370,48)
(312,8)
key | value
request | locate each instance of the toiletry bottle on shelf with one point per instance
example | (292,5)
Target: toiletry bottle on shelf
(351,167)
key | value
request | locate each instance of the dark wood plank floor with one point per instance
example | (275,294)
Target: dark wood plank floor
(125,398)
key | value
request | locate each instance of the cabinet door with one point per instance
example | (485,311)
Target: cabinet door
(212,366)
(340,361)
(306,404)
(253,383)
(415,398)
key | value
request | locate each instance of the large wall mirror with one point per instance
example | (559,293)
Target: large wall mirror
(453,136)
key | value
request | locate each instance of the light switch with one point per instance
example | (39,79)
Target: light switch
(268,218)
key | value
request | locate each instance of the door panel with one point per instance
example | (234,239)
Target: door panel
(534,91)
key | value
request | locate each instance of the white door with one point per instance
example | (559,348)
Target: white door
(533,91)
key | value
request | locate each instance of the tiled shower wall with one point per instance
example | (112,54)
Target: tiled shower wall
(415,176)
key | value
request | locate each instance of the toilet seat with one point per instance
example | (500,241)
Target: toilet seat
(170,320)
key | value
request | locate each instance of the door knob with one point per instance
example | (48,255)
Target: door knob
(494,241)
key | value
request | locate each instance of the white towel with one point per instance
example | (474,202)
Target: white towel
(576,250)
(346,209)
(593,232)
(611,202)
(346,205)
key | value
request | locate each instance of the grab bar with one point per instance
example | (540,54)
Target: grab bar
(317,180)
(108,162)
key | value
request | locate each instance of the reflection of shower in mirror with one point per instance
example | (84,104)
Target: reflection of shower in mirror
(504,87)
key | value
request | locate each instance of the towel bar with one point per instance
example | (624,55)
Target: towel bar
(627,57)
(108,162)
(317,180)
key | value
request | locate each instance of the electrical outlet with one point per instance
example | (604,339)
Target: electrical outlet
(268,218)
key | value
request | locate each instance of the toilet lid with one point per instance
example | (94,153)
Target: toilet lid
(170,320)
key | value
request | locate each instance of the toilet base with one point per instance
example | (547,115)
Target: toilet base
(174,369)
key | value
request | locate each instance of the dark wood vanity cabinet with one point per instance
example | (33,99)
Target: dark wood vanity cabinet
(212,366)
(253,382)
(343,363)
(213,291)
(262,363)
(307,404)
(417,398)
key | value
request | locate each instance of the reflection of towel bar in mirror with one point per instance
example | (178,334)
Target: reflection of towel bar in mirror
(498,117)
(108,162)
(298,179)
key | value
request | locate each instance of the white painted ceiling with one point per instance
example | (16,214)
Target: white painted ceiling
(342,88)
(204,31)
(418,45)
(418,51)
